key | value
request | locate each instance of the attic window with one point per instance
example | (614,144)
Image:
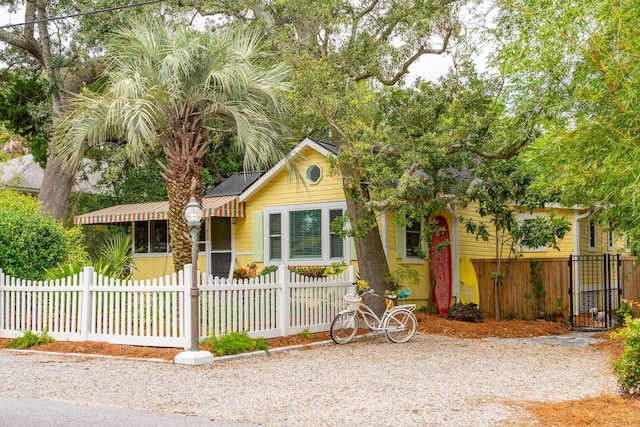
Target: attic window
(314,174)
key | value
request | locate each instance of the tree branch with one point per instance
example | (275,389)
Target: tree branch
(421,51)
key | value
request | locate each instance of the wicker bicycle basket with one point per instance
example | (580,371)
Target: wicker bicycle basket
(353,301)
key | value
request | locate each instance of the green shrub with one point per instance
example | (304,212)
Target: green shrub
(308,271)
(235,343)
(268,270)
(627,367)
(31,242)
(29,339)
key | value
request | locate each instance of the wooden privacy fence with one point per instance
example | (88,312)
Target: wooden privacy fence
(91,307)
(517,290)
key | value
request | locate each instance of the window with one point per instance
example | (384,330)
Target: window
(314,174)
(413,233)
(302,234)
(524,218)
(627,248)
(151,236)
(305,229)
(159,233)
(275,237)
(337,242)
(592,236)
(142,237)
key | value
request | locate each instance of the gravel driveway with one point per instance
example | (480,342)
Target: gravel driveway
(429,381)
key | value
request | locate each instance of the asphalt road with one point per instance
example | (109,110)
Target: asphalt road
(29,412)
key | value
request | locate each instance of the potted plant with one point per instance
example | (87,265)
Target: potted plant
(557,310)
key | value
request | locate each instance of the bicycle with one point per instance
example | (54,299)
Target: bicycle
(398,321)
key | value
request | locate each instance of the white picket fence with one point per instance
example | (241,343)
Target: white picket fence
(91,307)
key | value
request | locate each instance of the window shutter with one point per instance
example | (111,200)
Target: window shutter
(400,238)
(352,249)
(257,238)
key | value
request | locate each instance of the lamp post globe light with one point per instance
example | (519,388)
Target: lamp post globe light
(193,217)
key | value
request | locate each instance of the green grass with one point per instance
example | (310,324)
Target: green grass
(29,339)
(235,343)
(306,333)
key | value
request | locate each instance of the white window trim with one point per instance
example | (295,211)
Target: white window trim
(413,259)
(610,241)
(326,235)
(524,217)
(590,226)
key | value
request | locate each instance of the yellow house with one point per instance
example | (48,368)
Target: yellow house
(264,218)
(279,217)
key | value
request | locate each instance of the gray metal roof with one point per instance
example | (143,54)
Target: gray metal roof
(235,184)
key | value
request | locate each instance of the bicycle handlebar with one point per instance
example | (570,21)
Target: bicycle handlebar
(370,292)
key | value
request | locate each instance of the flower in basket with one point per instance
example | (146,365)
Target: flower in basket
(361,286)
(240,273)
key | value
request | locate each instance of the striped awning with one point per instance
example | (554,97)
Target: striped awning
(224,206)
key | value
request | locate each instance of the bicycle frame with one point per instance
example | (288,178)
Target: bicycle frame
(375,323)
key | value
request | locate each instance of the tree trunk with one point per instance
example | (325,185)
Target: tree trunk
(182,145)
(372,260)
(55,189)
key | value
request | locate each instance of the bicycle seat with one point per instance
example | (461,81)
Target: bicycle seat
(392,297)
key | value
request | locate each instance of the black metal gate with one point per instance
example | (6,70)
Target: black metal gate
(594,291)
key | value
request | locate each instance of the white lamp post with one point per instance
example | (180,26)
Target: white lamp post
(193,216)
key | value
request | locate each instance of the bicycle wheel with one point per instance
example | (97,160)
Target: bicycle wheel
(400,326)
(344,327)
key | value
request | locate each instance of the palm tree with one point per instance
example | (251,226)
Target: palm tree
(179,88)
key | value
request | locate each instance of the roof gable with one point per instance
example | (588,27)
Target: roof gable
(322,147)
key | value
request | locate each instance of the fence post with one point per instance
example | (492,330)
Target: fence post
(185,301)
(2,325)
(351,274)
(88,279)
(284,301)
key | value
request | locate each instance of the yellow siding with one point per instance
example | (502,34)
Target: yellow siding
(390,229)
(566,245)
(153,267)
(469,246)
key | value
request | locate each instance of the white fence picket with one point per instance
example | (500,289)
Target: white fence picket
(92,307)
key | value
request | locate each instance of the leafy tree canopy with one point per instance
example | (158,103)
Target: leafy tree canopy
(25,109)
(578,62)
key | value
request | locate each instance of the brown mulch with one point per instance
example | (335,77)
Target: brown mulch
(600,411)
